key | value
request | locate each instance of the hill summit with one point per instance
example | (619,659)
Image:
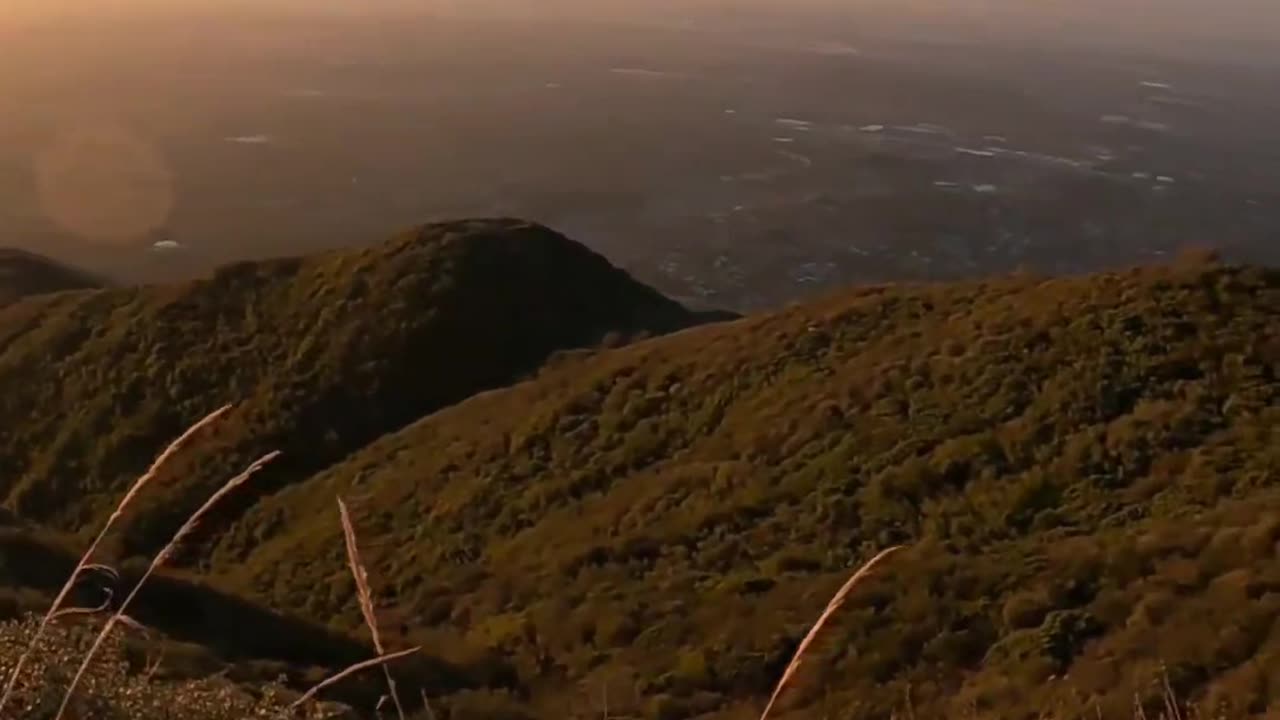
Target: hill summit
(23,273)
(322,354)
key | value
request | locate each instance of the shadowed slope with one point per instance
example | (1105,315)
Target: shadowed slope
(23,274)
(321,355)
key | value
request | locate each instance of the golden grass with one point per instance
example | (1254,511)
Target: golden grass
(365,597)
(120,618)
(116,687)
(84,563)
(364,665)
(836,602)
(160,558)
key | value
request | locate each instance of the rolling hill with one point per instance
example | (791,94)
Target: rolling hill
(23,273)
(322,354)
(1086,471)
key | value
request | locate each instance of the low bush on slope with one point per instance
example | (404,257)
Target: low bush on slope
(1086,467)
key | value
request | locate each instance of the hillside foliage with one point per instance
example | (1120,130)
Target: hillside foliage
(1086,469)
(1086,472)
(322,355)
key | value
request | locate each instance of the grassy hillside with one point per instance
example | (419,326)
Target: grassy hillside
(193,631)
(1088,471)
(23,274)
(322,355)
(121,688)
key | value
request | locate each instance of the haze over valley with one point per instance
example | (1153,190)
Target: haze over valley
(734,156)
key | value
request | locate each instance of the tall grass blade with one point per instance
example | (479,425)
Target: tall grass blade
(364,596)
(160,559)
(836,602)
(84,563)
(381,660)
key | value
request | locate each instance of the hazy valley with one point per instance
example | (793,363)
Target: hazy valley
(727,166)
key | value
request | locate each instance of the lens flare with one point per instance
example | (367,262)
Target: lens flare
(104,184)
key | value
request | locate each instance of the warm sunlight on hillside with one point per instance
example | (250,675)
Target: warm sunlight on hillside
(584,359)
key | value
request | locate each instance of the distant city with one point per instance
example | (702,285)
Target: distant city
(724,170)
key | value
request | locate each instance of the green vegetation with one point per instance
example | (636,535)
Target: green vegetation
(1085,470)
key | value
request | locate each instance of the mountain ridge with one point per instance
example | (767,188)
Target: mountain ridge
(24,274)
(1085,469)
(323,354)
(666,509)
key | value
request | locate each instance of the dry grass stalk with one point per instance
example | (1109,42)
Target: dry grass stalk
(426,704)
(380,660)
(153,666)
(836,602)
(364,596)
(84,565)
(104,569)
(78,611)
(160,559)
(1139,712)
(1170,698)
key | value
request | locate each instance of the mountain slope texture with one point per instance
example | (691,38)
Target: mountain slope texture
(1085,469)
(321,355)
(23,274)
(1085,472)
